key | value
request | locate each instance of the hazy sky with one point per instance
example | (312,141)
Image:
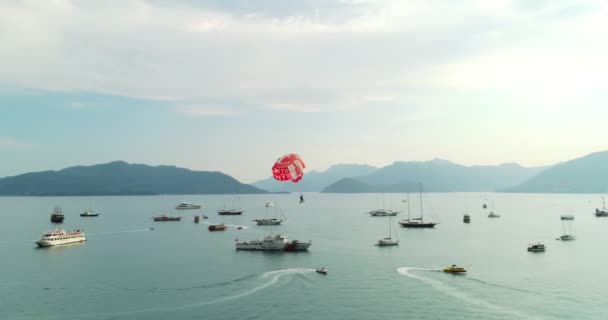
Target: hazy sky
(232,85)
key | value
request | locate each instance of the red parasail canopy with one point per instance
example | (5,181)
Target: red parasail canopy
(289,167)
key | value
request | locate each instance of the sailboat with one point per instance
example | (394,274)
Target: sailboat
(492,214)
(385,242)
(568,235)
(383,212)
(603,212)
(269,221)
(233,211)
(417,222)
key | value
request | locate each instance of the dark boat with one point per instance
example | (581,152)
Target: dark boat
(197,219)
(417,222)
(217,227)
(321,270)
(163,218)
(57,216)
(231,212)
(466,218)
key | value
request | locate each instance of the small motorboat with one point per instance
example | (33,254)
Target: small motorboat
(537,247)
(205,217)
(493,215)
(239,228)
(466,218)
(150,228)
(454,269)
(196,219)
(321,270)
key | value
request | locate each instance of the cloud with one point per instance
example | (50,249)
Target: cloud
(10,143)
(206,111)
(297,56)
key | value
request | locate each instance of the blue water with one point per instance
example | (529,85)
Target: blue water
(180,270)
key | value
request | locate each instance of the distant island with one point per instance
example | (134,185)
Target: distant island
(121,178)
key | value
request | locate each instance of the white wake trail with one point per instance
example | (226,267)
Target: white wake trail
(454,292)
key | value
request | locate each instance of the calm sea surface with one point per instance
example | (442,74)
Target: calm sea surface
(180,270)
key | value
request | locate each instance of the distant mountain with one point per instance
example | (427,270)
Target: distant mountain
(121,178)
(588,174)
(315,181)
(438,175)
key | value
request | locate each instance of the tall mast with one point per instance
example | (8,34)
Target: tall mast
(421,211)
(408,206)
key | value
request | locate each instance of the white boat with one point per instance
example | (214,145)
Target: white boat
(416,222)
(389,241)
(296,245)
(186,206)
(89,213)
(383,213)
(270,242)
(567,236)
(321,270)
(59,237)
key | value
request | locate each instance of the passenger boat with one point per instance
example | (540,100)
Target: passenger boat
(60,237)
(537,247)
(186,206)
(163,218)
(217,227)
(89,213)
(321,270)
(454,269)
(57,216)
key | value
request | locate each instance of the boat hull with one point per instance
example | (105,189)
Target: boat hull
(418,225)
(57,218)
(45,243)
(296,245)
(229,213)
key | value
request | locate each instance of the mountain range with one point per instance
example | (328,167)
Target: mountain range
(121,178)
(437,175)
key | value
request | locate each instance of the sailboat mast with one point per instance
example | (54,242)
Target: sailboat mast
(421,210)
(389,227)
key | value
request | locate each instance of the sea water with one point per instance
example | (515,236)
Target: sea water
(180,270)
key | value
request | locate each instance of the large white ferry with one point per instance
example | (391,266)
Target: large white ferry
(59,237)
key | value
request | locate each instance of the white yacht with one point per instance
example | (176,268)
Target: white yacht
(59,237)
(186,206)
(383,213)
(270,242)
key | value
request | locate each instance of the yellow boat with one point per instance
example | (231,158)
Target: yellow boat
(454,269)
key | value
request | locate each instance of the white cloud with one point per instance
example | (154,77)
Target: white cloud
(206,111)
(10,143)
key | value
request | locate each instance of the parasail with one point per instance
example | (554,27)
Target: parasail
(289,167)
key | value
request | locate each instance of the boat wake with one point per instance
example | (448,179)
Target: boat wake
(269,279)
(500,286)
(459,294)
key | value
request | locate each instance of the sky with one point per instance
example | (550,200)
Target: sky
(232,85)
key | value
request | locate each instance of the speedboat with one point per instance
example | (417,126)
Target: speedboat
(454,269)
(186,206)
(321,270)
(493,215)
(538,247)
(89,213)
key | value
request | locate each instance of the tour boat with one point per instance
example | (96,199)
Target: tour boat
(454,269)
(59,237)
(186,206)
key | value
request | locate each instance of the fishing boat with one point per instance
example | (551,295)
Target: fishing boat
(454,269)
(417,222)
(217,227)
(233,211)
(537,247)
(568,235)
(89,213)
(466,218)
(60,237)
(388,241)
(603,212)
(164,218)
(57,216)
(187,206)
(321,270)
